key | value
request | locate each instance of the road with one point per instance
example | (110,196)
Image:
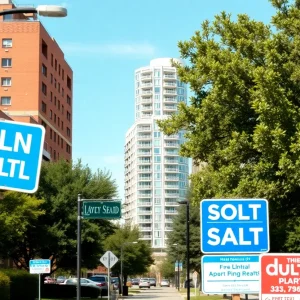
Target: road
(156,293)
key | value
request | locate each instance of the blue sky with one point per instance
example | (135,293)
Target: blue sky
(104,42)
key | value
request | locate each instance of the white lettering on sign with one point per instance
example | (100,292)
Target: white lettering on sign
(283,269)
(229,236)
(9,166)
(230,212)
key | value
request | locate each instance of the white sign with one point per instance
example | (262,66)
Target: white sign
(108,259)
(39,266)
(232,274)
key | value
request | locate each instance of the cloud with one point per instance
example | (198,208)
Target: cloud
(134,49)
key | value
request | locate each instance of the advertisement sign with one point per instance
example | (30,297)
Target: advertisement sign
(232,274)
(39,266)
(234,225)
(280,276)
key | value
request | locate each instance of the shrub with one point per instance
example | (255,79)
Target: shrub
(4,287)
(21,281)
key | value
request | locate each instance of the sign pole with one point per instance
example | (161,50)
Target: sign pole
(39,286)
(108,288)
(78,246)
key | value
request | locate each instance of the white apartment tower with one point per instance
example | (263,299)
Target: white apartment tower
(156,177)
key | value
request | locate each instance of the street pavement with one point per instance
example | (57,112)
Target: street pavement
(157,293)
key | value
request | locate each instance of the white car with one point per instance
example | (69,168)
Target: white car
(165,282)
(144,283)
(83,282)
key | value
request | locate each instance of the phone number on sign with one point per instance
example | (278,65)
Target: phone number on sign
(285,289)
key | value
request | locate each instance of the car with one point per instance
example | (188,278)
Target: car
(102,282)
(83,282)
(61,279)
(144,283)
(135,281)
(165,282)
(152,281)
(116,282)
(49,279)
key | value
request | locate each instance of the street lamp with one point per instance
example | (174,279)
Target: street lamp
(42,10)
(122,258)
(187,246)
(178,271)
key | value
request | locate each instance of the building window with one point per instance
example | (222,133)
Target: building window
(68,99)
(68,116)
(6,62)
(51,133)
(44,107)
(68,148)
(68,132)
(54,82)
(62,109)
(54,154)
(5,100)
(62,125)
(55,65)
(69,82)
(52,60)
(62,142)
(44,49)
(51,114)
(59,69)
(44,70)
(58,105)
(8,17)
(62,91)
(157,90)
(54,136)
(44,88)
(58,87)
(51,96)
(6,81)
(51,78)
(63,74)
(55,118)
(6,43)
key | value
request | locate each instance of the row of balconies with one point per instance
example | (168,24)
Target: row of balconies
(148,75)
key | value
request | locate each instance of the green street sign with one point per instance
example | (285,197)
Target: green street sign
(101,209)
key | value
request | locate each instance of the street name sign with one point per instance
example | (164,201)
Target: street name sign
(40,266)
(101,209)
(234,226)
(21,151)
(232,274)
(108,259)
(280,276)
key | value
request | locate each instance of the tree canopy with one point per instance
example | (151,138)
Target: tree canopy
(50,224)
(243,121)
(136,254)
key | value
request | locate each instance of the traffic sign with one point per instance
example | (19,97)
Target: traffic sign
(108,259)
(40,266)
(101,209)
(234,226)
(232,274)
(178,265)
(280,276)
(21,151)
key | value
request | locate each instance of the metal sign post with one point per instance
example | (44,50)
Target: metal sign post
(78,246)
(108,288)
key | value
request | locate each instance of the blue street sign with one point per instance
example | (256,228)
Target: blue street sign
(21,150)
(234,226)
(39,266)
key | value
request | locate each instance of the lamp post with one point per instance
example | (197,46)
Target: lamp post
(42,10)
(122,258)
(178,270)
(187,246)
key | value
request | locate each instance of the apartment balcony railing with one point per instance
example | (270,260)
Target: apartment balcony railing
(140,220)
(149,228)
(144,137)
(146,100)
(172,178)
(171,145)
(170,91)
(144,170)
(146,77)
(144,128)
(146,237)
(144,203)
(171,169)
(146,84)
(171,76)
(170,83)
(147,92)
(170,99)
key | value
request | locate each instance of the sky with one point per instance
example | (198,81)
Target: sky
(104,42)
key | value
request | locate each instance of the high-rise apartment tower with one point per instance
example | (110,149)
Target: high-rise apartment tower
(156,177)
(36,81)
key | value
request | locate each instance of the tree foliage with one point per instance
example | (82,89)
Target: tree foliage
(243,119)
(51,231)
(177,238)
(137,256)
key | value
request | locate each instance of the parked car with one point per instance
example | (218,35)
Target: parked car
(165,282)
(144,283)
(102,282)
(49,279)
(83,282)
(116,282)
(152,281)
(61,279)
(135,281)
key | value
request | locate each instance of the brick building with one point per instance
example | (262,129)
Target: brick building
(36,81)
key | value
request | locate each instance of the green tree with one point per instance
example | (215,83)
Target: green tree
(167,269)
(137,254)
(243,118)
(177,238)
(18,215)
(53,234)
